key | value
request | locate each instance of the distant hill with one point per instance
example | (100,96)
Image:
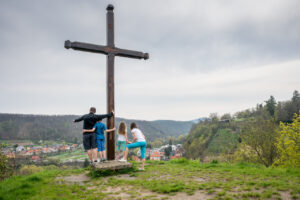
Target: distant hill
(61,127)
(196,121)
(222,135)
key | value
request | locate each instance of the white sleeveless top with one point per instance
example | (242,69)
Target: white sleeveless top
(139,135)
(121,137)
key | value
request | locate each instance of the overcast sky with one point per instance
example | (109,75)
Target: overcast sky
(205,56)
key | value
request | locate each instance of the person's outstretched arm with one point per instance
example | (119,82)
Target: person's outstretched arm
(127,141)
(100,117)
(79,119)
(110,130)
(88,130)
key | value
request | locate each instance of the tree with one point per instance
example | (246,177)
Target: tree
(149,145)
(285,110)
(168,151)
(296,101)
(214,117)
(15,147)
(296,96)
(5,167)
(157,143)
(288,144)
(226,116)
(260,135)
(271,105)
(281,113)
(180,139)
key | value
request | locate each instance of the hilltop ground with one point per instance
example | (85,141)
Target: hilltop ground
(176,179)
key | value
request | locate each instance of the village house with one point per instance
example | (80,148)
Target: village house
(37,151)
(35,158)
(29,152)
(20,148)
(155,156)
(162,156)
(64,148)
(176,156)
(46,150)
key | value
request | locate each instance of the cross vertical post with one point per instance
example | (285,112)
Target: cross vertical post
(110,141)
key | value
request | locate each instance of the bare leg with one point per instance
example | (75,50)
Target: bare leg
(90,154)
(143,163)
(103,154)
(95,153)
(126,153)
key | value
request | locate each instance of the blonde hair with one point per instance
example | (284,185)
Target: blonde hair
(122,130)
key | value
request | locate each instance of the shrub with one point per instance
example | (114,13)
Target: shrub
(259,135)
(214,162)
(180,161)
(30,169)
(6,170)
(245,153)
(50,167)
(288,144)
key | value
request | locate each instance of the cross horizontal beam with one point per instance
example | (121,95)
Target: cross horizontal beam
(105,50)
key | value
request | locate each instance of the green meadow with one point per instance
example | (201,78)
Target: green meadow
(176,179)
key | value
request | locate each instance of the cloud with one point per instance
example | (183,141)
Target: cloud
(205,56)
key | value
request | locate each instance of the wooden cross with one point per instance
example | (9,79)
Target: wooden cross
(111,51)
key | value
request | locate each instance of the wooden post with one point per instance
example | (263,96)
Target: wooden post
(110,141)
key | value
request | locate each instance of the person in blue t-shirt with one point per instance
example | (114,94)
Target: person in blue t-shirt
(100,128)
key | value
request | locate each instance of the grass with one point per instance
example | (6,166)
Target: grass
(160,180)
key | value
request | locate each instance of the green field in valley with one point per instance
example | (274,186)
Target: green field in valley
(71,155)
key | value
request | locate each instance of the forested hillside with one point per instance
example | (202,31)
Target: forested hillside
(43,127)
(258,135)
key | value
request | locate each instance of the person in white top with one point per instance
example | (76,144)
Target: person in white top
(138,141)
(122,138)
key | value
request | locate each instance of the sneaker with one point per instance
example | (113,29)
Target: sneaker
(141,169)
(123,160)
(104,160)
(95,161)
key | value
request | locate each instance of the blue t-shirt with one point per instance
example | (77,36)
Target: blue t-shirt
(100,128)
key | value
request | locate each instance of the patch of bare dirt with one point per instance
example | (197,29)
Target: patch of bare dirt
(285,195)
(78,178)
(129,192)
(197,196)
(200,179)
(91,187)
(118,192)
(126,177)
